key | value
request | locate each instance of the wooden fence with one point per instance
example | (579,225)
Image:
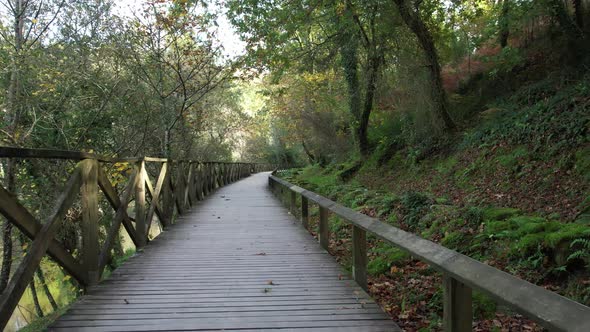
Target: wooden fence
(461,274)
(178,186)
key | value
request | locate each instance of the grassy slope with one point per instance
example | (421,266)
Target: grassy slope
(512,191)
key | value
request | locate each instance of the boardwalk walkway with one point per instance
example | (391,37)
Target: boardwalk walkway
(237,261)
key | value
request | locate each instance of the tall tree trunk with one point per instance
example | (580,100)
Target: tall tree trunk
(579,13)
(310,155)
(38,308)
(6,254)
(504,32)
(50,298)
(439,97)
(372,71)
(574,33)
(349,60)
(13,117)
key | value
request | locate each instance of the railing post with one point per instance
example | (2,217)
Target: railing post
(324,231)
(167,198)
(293,202)
(199,181)
(140,224)
(304,212)
(458,312)
(359,256)
(89,196)
(189,192)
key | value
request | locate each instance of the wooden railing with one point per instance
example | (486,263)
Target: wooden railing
(178,186)
(461,274)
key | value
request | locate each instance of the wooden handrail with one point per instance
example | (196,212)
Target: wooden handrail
(460,273)
(180,184)
(26,153)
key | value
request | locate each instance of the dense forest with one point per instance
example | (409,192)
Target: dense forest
(465,122)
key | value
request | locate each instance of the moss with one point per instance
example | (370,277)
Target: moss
(565,232)
(385,256)
(453,240)
(41,324)
(499,213)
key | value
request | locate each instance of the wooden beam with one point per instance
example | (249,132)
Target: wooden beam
(458,312)
(293,202)
(89,226)
(179,189)
(167,197)
(140,223)
(305,212)
(24,273)
(18,215)
(154,197)
(359,256)
(324,229)
(113,231)
(187,192)
(113,198)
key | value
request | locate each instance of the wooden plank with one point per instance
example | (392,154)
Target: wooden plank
(359,256)
(113,231)
(113,198)
(188,190)
(167,198)
(549,309)
(179,189)
(155,198)
(23,275)
(89,225)
(458,310)
(243,259)
(293,203)
(18,215)
(140,217)
(324,228)
(304,212)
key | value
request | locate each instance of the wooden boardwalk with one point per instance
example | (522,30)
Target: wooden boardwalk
(237,261)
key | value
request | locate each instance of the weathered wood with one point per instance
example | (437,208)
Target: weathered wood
(188,190)
(550,310)
(244,262)
(155,198)
(359,256)
(111,196)
(458,310)
(199,182)
(23,275)
(293,203)
(305,212)
(18,215)
(113,231)
(152,192)
(179,189)
(89,225)
(324,229)
(10,152)
(140,217)
(167,197)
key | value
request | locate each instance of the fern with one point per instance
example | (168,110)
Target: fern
(582,249)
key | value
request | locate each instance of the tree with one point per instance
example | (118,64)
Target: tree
(410,12)
(30,20)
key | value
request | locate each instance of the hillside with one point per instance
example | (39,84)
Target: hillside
(511,189)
